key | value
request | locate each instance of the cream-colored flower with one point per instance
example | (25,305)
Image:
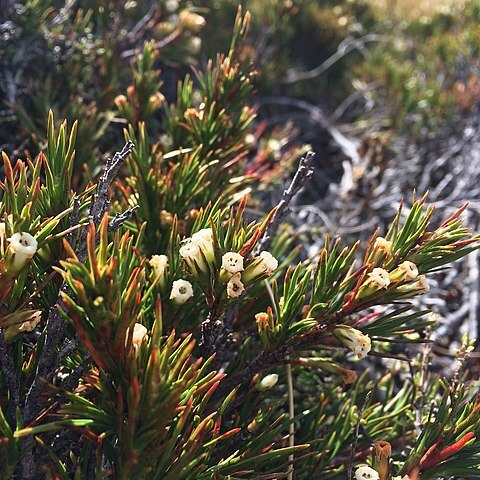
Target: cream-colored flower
(379,277)
(140,335)
(182,290)
(159,263)
(195,45)
(232,262)
(171,5)
(203,237)
(423,284)
(197,251)
(191,20)
(353,339)
(269,262)
(366,473)
(24,246)
(262,266)
(189,250)
(417,287)
(234,286)
(267,382)
(29,325)
(399,477)
(409,270)
(382,244)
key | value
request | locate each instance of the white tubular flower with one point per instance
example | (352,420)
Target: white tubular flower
(140,335)
(234,286)
(24,246)
(399,477)
(269,262)
(267,382)
(29,325)
(417,287)
(409,270)
(353,339)
(262,266)
(232,262)
(197,251)
(366,473)
(159,263)
(195,45)
(203,237)
(182,290)
(379,277)
(191,20)
(382,244)
(405,272)
(171,5)
(423,284)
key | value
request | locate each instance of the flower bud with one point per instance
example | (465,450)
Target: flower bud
(166,218)
(159,263)
(140,335)
(156,100)
(267,382)
(120,101)
(182,290)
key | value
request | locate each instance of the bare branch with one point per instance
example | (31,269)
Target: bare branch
(120,219)
(302,176)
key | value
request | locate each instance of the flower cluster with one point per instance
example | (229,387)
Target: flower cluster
(405,279)
(235,271)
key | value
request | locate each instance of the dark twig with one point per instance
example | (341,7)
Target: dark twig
(67,349)
(72,380)
(303,174)
(101,203)
(8,369)
(210,327)
(120,218)
(355,435)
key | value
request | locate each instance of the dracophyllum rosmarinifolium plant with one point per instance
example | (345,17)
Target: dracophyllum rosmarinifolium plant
(153,343)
